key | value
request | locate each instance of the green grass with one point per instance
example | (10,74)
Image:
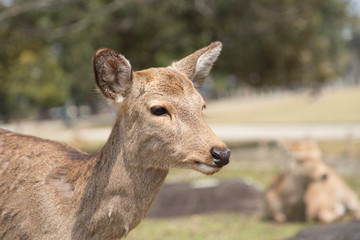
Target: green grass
(221,226)
(228,226)
(246,163)
(340,106)
(333,106)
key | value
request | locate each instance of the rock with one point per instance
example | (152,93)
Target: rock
(181,199)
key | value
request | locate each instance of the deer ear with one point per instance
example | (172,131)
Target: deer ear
(113,74)
(285,147)
(198,65)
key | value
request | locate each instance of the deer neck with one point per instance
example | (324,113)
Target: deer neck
(120,192)
(299,182)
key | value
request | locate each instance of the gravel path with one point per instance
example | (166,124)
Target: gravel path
(241,132)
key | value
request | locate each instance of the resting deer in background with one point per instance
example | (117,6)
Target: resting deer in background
(331,200)
(284,197)
(49,190)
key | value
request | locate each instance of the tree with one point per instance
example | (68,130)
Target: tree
(267,43)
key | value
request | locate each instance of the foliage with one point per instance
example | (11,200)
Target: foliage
(266,42)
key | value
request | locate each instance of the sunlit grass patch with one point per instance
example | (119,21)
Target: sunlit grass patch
(333,106)
(254,162)
(226,226)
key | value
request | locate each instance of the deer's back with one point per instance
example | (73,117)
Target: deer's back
(37,181)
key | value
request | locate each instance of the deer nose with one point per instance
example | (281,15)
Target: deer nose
(324,177)
(220,157)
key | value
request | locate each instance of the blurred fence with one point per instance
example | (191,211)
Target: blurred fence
(286,131)
(85,131)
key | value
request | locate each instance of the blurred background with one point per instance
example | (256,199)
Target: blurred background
(289,70)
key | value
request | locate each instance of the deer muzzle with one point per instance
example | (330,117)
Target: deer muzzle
(220,157)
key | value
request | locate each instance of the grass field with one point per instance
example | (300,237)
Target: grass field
(246,164)
(230,226)
(259,164)
(332,106)
(256,163)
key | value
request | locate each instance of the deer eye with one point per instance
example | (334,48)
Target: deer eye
(300,160)
(158,111)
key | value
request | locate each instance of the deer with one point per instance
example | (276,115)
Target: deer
(330,200)
(309,190)
(284,197)
(50,190)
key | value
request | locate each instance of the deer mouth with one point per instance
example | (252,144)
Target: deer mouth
(206,168)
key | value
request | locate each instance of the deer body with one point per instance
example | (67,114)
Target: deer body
(309,189)
(284,197)
(49,190)
(330,200)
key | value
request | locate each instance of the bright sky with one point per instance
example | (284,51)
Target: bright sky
(355,6)
(6,2)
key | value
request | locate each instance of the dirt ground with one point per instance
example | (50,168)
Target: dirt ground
(238,195)
(181,199)
(235,194)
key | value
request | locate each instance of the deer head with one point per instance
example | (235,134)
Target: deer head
(306,160)
(160,111)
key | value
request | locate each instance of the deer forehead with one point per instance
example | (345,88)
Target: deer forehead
(168,84)
(304,154)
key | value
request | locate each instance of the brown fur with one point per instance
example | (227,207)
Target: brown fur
(49,190)
(202,59)
(309,190)
(330,200)
(284,196)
